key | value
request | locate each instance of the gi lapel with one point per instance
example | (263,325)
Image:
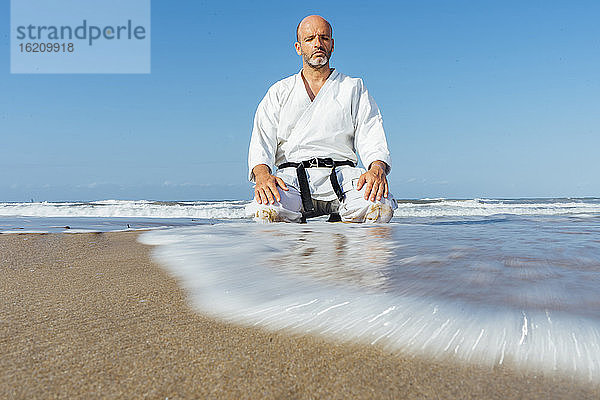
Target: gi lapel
(306,117)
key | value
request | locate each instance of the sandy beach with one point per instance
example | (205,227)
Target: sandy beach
(92,316)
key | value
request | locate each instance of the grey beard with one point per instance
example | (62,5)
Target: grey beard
(318,62)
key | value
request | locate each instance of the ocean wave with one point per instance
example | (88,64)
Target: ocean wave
(350,282)
(235,209)
(489,207)
(128,209)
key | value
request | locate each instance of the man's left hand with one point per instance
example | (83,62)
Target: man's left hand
(375,180)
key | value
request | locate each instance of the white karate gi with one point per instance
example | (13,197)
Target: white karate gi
(342,120)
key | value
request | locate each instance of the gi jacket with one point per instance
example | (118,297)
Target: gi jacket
(342,123)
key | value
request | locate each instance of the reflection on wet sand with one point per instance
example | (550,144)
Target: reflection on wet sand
(339,256)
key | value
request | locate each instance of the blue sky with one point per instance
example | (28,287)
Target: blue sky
(479,99)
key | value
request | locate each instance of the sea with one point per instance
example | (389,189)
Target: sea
(493,282)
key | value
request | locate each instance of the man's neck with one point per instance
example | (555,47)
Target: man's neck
(314,79)
(316,76)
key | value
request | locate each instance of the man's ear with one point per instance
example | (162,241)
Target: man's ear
(332,43)
(297,47)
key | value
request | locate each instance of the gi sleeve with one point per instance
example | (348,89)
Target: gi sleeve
(263,143)
(369,138)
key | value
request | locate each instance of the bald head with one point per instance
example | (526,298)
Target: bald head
(311,23)
(314,43)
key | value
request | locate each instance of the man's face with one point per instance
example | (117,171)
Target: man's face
(315,43)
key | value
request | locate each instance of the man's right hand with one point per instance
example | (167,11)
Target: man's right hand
(266,191)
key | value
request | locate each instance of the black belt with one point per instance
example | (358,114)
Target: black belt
(309,208)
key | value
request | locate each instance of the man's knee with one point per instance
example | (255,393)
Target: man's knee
(355,208)
(286,210)
(273,213)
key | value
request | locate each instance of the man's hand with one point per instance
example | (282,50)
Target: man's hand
(377,185)
(265,191)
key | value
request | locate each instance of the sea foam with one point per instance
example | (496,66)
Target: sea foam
(360,283)
(425,208)
(127,209)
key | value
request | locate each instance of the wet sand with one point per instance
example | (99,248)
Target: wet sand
(91,316)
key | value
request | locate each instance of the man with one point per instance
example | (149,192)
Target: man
(311,126)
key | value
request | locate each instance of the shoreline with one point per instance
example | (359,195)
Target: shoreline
(91,315)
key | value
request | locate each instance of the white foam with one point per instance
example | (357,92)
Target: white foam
(235,209)
(485,207)
(269,276)
(20,231)
(127,209)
